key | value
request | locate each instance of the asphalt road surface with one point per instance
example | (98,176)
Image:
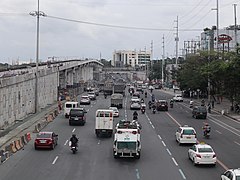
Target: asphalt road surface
(161,156)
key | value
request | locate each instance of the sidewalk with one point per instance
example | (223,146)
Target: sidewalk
(222,107)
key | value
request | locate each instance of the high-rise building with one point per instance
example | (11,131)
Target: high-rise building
(123,58)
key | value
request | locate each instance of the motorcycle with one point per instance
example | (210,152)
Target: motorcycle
(154,110)
(206,134)
(171,105)
(105,96)
(143,110)
(74,149)
(135,117)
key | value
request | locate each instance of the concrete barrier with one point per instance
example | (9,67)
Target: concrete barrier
(21,144)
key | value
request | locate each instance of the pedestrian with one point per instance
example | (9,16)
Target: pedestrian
(212,103)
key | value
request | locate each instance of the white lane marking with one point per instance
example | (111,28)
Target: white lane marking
(175,162)
(183,176)
(54,161)
(223,126)
(237,143)
(159,137)
(218,132)
(73,130)
(163,143)
(98,142)
(150,122)
(173,119)
(66,143)
(137,174)
(169,152)
(153,127)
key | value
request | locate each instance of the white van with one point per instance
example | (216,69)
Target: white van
(104,122)
(69,105)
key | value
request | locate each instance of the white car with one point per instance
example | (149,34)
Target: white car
(135,104)
(178,98)
(150,87)
(231,174)
(115,111)
(186,134)
(85,100)
(202,154)
(92,95)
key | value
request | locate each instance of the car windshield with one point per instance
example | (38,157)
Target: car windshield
(47,135)
(84,97)
(91,93)
(113,108)
(127,145)
(68,105)
(76,113)
(237,177)
(188,132)
(201,150)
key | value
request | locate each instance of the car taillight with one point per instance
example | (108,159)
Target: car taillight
(134,132)
(119,132)
(214,155)
(49,141)
(198,155)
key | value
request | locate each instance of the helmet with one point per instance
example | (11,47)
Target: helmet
(206,124)
(74,135)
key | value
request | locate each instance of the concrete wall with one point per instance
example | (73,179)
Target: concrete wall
(17,95)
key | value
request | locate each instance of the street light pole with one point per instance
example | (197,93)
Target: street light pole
(37,13)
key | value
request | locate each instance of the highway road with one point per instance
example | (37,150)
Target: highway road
(161,156)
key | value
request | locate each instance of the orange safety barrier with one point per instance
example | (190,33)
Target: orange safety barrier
(28,137)
(21,143)
(13,147)
(17,144)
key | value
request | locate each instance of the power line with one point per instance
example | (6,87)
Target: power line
(187,13)
(118,26)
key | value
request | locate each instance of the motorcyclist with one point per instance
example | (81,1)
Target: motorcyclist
(171,102)
(135,115)
(150,104)
(74,140)
(206,129)
(202,102)
(209,108)
(142,100)
(154,107)
(191,103)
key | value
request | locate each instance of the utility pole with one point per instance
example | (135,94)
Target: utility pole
(151,57)
(163,58)
(145,62)
(235,26)
(177,40)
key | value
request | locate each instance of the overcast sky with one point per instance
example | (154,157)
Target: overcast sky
(66,39)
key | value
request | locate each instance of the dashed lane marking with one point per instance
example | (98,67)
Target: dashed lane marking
(237,143)
(169,152)
(218,132)
(163,143)
(73,130)
(66,143)
(159,137)
(181,172)
(54,161)
(137,174)
(153,127)
(175,162)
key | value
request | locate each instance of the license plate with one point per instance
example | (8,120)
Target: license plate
(188,137)
(104,130)
(201,113)
(75,119)
(42,141)
(206,156)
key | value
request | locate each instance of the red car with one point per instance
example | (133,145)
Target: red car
(46,140)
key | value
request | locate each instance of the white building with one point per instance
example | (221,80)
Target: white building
(124,58)
(209,37)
